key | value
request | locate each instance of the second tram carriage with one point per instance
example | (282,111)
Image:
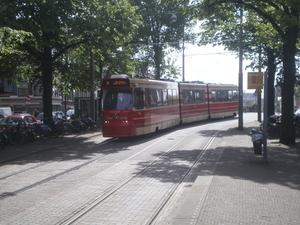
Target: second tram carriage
(138,106)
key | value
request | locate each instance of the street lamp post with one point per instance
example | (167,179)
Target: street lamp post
(174,19)
(241,72)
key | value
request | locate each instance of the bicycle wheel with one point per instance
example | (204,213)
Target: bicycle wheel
(60,131)
(17,138)
(31,136)
(2,140)
(93,127)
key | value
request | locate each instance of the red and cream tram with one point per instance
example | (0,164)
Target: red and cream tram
(137,106)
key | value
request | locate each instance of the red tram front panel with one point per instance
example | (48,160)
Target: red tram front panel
(135,106)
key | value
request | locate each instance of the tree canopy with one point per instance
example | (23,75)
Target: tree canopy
(164,26)
(52,28)
(283,17)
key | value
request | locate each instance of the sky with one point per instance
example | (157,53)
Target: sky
(212,65)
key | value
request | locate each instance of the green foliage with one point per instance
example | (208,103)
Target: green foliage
(297,91)
(283,17)
(248,103)
(58,27)
(61,26)
(158,32)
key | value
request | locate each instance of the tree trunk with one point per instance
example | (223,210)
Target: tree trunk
(158,60)
(47,85)
(289,75)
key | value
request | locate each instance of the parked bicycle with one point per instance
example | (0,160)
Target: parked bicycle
(21,133)
(90,123)
(5,137)
(274,126)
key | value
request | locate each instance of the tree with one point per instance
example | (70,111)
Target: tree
(260,42)
(284,18)
(159,31)
(58,26)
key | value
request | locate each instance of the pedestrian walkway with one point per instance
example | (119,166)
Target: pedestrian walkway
(246,190)
(12,151)
(237,188)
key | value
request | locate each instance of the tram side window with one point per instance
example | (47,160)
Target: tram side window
(234,95)
(230,95)
(148,98)
(170,97)
(165,97)
(191,97)
(117,100)
(199,96)
(219,96)
(159,97)
(202,96)
(138,98)
(151,97)
(224,96)
(175,96)
(185,96)
(213,96)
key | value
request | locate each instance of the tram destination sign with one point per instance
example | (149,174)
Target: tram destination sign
(116,83)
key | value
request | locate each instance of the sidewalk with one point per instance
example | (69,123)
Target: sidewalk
(234,186)
(12,151)
(246,190)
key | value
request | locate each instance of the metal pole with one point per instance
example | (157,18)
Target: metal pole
(259,105)
(92,94)
(241,72)
(265,135)
(259,91)
(183,61)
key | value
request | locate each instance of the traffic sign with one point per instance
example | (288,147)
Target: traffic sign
(28,99)
(255,80)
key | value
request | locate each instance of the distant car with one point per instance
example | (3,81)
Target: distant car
(55,114)
(297,113)
(70,112)
(21,114)
(15,119)
(5,111)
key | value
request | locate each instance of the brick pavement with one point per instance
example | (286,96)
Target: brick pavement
(235,186)
(11,151)
(246,190)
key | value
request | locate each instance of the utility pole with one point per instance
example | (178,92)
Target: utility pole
(92,94)
(241,72)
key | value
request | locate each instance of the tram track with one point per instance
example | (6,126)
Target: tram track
(36,184)
(161,209)
(82,211)
(138,160)
(34,167)
(60,142)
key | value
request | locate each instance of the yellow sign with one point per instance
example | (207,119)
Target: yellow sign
(255,80)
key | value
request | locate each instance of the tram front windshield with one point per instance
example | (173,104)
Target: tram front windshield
(118,100)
